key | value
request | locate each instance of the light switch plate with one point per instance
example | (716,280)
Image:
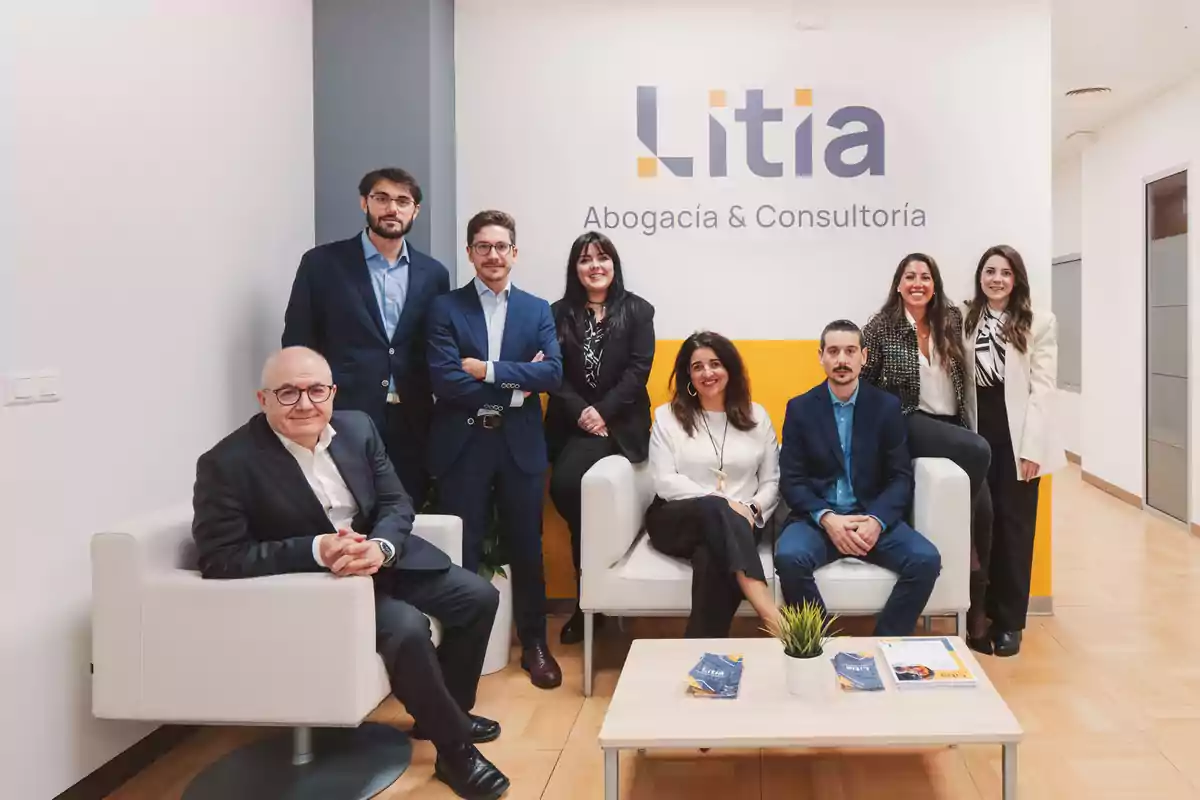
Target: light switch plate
(27,388)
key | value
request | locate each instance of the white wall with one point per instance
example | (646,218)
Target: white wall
(164,188)
(1159,138)
(1068,205)
(1068,240)
(548,144)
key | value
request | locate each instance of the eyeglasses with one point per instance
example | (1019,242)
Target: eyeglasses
(385,200)
(483,248)
(290,395)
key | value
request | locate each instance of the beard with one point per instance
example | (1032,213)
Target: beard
(389,233)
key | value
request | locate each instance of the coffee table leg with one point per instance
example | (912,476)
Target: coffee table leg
(1009,760)
(612,777)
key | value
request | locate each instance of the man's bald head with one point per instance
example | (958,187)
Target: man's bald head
(297,394)
(285,365)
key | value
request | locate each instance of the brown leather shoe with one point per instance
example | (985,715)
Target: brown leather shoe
(543,670)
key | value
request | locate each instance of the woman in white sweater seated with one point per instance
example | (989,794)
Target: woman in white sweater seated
(716,476)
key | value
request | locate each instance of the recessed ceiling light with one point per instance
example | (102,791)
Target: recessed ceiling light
(1085,90)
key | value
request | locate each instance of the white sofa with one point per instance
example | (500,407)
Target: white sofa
(623,575)
(288,650)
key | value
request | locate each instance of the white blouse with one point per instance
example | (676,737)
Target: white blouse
(937,388)
(687,466)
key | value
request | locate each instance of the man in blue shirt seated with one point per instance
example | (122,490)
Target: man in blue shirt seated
(846,475)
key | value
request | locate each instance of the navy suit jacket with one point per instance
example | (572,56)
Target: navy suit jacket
(255,513)
(811,459)
(456,331)
(333,310)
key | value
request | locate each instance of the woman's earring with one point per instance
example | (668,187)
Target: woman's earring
(691,389)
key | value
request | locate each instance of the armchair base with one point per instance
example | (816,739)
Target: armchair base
(306,764)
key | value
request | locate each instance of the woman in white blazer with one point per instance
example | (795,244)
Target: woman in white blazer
(1012,368)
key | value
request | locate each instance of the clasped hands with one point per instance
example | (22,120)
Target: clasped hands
(348,552)
(478,369)
(591,421)
(852,534)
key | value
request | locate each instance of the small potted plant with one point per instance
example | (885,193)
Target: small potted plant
(803,631)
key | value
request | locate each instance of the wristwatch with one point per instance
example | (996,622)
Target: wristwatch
(389,552)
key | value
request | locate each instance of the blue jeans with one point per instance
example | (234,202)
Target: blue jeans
(803,549)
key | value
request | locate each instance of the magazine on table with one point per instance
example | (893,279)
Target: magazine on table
(716,676)
(921,661)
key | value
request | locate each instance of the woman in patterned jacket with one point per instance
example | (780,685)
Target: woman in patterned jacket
(915,350)
(602,407)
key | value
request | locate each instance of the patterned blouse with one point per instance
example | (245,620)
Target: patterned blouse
(593,347)
(989,349)
(894,358)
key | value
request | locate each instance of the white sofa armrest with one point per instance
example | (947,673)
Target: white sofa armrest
(442,531)
(615,496)
(942,513)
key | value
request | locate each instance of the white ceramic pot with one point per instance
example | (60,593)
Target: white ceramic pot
(809,677)
(499,646)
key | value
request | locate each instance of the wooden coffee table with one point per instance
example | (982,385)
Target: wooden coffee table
(651,708)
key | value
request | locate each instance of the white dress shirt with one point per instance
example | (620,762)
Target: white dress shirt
(686,466)
(937,389)
(327,484)
(495,315)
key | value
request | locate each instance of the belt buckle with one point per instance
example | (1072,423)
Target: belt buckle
(393,398)
(491,422)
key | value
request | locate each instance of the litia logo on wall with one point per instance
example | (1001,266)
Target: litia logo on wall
(755,116)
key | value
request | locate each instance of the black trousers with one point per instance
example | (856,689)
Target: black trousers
(437,686)
(578,455)
(1014,504)
(719,543)
(465,491)
(945,437)
(406,437)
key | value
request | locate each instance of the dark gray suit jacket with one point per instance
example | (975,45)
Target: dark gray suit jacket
(255,514)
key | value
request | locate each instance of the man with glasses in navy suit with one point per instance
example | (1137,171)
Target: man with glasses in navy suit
(362,303)
(492,350)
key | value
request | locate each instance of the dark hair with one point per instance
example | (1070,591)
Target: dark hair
(491,217)
(393,174)
(948,343)
(843,325)
(686,407)
(1020,307)
(570,321)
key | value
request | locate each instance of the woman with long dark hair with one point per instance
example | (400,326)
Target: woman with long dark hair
(1011,372)
(915,350)
(602,408)
(715,463)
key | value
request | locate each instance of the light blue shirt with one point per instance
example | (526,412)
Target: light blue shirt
(495,315)
(841,497)
(390,282)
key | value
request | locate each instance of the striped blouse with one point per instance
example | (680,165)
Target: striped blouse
(989,349)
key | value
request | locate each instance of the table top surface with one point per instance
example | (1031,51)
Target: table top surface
(651,707)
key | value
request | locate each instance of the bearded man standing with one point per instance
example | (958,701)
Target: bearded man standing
(362,303)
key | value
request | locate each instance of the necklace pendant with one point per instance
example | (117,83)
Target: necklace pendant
(721,476)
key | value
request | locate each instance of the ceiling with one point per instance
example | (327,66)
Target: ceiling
(1139,48)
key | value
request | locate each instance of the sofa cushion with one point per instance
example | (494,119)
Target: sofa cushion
(644,563)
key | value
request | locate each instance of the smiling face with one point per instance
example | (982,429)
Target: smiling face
(707,374)
(297,394)
(492,253)
(595,270)
(916,285)
(996,279)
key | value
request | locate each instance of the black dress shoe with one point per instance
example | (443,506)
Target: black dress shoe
(465,770)
(543,670)
(1007,643)
(482,730)
(980,644)
(572,632)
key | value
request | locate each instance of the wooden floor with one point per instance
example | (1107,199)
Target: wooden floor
(1108,691)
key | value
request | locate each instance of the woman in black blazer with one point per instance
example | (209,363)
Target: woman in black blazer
(914,348)
(602,407)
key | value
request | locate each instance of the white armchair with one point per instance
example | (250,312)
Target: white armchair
(286,650)
(623,575)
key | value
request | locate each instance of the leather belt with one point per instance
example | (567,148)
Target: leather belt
(393,398)
(489,422)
